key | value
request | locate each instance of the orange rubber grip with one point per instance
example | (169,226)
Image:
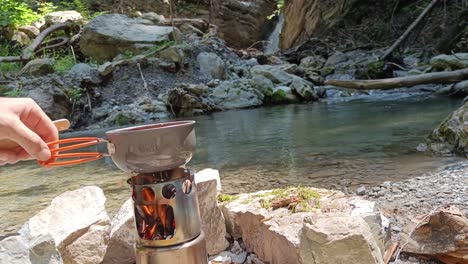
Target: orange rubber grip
(76,143)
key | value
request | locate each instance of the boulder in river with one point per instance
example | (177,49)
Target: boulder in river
(453,62)
(451,136)
(236,94)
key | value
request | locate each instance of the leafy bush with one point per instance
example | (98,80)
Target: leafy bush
(64,63)
(17,13)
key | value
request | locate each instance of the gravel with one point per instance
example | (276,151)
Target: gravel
(403,201)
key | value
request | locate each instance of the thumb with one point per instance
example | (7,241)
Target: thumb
(29,141)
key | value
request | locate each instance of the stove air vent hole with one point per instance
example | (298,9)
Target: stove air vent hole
(169,191)
(147,194)
(187,186)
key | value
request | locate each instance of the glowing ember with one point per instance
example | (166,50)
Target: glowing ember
(156,221)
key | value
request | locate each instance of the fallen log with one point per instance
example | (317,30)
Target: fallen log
(410,28)
(31,49)
(399,82)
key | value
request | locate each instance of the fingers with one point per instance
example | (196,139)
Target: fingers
(28,140)
(38,121)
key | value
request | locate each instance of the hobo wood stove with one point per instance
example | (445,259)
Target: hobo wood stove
(167,218)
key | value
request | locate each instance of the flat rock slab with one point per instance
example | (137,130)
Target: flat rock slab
(108,35)
(275,235)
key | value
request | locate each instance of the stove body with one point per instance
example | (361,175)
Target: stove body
(167,218)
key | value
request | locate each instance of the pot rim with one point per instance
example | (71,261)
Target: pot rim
(150,127)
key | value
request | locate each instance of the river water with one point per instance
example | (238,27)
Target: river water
(329,145)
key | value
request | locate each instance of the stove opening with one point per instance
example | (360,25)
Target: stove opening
(155,222)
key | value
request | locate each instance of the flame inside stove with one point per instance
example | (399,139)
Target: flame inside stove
(155,221)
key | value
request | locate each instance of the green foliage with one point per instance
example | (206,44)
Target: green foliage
(13,93)
(5,91)
(46,8)
(64,63)
(82,7)
(128,54)
(226,198)
(10,67)
(279,9)
(375,69)
(74,94)
(17,13)
(121,120)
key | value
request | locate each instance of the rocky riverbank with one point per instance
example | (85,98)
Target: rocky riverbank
(289,225)
(406,202)
(277,226)
(188,70)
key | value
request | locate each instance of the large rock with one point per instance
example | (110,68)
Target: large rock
(108,35)
(20,37)
(283,95)
(31,31)
(50,98)
(455,61)
(264,231)
(212,219)
(236,94)
(451,136)
(338,239)
(121,248)
(263,84)
(38,67)
(74,228)
(189,100)
(63,16)
(443,235)
(211,65)
(13,249)
(304,18)
(275,73)
(304,88)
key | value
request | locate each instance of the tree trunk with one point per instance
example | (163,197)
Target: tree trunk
(408,81)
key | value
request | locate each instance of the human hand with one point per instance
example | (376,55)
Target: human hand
(24,131)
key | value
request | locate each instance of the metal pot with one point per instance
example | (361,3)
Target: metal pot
(138,149)
(151,148)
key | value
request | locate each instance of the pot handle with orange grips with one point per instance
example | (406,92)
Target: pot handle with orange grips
(58,158)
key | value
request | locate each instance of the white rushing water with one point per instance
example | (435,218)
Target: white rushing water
(272,45)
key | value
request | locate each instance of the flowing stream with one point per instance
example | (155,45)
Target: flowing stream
(332,145)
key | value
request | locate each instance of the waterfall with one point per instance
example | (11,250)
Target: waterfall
(272,45)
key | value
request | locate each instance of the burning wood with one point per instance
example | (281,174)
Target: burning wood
(155,221)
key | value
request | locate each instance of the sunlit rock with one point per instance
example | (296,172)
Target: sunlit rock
(74,228)
(212,220)
(121,248)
